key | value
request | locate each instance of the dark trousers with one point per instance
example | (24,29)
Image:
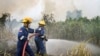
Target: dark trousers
(20,49)
(40,46)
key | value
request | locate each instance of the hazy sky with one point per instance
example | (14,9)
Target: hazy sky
(35,8)
(90,8)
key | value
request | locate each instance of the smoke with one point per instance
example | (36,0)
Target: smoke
(34,8)
(33,12)
(18,8)
(12,5)
(58,8)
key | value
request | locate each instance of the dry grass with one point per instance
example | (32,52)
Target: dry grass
(4,53)
(80,50)
(5,36)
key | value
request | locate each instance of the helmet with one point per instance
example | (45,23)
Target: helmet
(42,22)
(27,20)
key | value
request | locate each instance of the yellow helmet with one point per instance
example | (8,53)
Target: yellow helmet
(27,20)
(42,22)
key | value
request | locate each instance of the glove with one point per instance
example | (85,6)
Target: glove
(42,36)
(21,38)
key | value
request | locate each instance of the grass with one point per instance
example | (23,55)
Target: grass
(4,53)
(5,35)
(80,49)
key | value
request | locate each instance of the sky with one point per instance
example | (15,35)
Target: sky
(35,8)
(89,8)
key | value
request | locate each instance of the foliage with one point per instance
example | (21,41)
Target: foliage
(75,29)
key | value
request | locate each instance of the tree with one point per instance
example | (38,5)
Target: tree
(4,18)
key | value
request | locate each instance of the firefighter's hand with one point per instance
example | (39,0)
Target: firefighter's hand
(42,36)
(30,36)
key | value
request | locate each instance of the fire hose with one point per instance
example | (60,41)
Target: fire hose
(25,44)
(23,52)
(24,47)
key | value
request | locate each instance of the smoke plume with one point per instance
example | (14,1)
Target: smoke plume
(10,6)
(21,8)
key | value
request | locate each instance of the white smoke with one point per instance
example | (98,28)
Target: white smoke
(33,8)
(13,5)
(58,8)
(34,12)
(21,8)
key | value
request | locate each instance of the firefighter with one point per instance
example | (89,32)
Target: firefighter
(39,38)
(23,37)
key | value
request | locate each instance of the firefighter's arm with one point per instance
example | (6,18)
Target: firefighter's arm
(39,32)
(30,36)
(31,33)
(31,30)
(42,32)
(43,35)
(21,35)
